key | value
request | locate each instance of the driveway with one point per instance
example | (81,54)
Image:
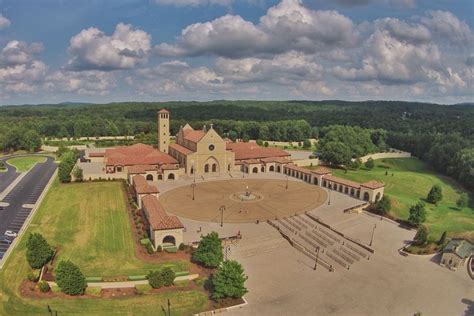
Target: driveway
(6,178)
(23,196)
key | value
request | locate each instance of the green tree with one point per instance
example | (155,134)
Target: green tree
(336,153)
(70,278)
(168,276)
(38,251)
(31,141)
(435,195)
(229,281)
(383,206)
(209,251)
(417,214)
(369,164)
(463,201)
(442,239)
(421,237)
(155,279)
(306,143)
(78,174)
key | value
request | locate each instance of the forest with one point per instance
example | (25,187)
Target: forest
(441,135)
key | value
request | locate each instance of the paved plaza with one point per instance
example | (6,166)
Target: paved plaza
(282,280)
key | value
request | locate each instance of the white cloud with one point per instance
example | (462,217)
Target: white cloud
(285,27)
(447,25)
(4,22)
(194,3)
(90,82)
(126,48)
(17,53)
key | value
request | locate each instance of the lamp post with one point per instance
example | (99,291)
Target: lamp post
(316,261)
(373,232)
(193,185)
(222,209)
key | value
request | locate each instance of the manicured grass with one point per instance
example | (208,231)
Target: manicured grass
(410,183)
(90,223)
(23,164)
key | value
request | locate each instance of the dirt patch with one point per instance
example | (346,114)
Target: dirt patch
(227,302)
(30,289)
(119,293)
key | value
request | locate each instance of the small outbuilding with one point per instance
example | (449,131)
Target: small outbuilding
(456,252)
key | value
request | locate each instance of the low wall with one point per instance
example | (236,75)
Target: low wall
(394,154)
(306,162)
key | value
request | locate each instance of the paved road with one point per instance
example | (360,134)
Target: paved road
(27,191)
(7,177)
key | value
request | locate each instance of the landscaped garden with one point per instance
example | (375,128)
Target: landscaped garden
(89,225)
(23,164)
(407,182)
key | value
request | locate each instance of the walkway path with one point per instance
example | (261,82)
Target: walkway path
(129,284)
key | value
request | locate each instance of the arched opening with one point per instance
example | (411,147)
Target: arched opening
(160,177)
(149,177)
(366,196)
(214,167)
(255,170)
(206,168)
(228,168)
(352,191)
(315,181)
(169,241)
(340,188)
(278,169)
(262,169)
(324,183)
(346,190)
(192,170)
(377,197)
(272,168)
(171,176)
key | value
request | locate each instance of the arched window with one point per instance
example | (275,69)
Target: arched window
(366,196)
(315,181)
(278,169)
(262,169)
(149,177)
(169,241)
(352,191)
(255,170)
(214,167)
(377,197)
(171,176)
(160,177)
(206,168)
(272,168)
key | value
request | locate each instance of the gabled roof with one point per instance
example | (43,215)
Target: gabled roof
(342,181)
(157,216)
(373,184)
(253,151)
(193,136)
(321,170)
(281,160)
(138,154)
(140,169)
(181,149)
(163,111)
(143,187)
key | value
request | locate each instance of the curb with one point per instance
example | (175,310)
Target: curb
(222,310)
(28,220)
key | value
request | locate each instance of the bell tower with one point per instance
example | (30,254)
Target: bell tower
(163,130)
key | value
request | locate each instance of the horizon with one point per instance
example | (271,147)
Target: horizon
(268,50)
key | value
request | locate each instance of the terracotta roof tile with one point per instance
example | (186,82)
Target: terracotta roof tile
(194,136)
(139,169)
(373,185)
(138,154)
(163,111)
(181,149)
(296,168)
(321,170)
(143,187)
(157,216)
(281,160)
(97,154)
(342,181)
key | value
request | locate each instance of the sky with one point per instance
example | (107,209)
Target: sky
(102,51)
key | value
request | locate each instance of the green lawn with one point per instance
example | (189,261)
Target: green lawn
(23,164)
(90,224)
(410,183)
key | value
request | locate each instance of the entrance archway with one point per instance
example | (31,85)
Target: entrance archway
(149,177)
(255,170)
(366,196)
(169,241)
(278,169)
(272,168)
(171,176)
(262,169)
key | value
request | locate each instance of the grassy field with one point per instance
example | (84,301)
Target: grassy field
(90,224)
(410,183)
(23,164)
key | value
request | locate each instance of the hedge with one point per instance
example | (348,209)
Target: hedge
(94,279)
(145,241)
(137,277)
(181,273)
(171,249)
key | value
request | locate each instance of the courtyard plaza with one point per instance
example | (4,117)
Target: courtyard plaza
(282,280)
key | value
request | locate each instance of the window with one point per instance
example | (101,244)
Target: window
(211,147)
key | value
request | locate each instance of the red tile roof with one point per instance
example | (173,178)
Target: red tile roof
(163,111)
(296,168)
(181,149)
(193,136)
(101,154)
(321,170)
(253,151)
(138,154)
(157,216)
(143,187)
(169,167)
(281,160)
(342,181)
(251,161)
(138,169)
(373,185)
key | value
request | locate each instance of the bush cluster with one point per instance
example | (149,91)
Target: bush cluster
(70,278)
(38,251)
(161,278)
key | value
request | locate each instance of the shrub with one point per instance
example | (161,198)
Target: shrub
(209,251)
(421,236)
(463,201)
(155,279)
(171,249)
(182,246)
(70,278)
(149,248)
(33,276)
(143,288)
(44,286)
(229,281)
(168,276)
(369,164)
(159,248)
(55,289)
(435,195)
(383,205)
(417,214)
(38,251)
(145,241)
(442,239)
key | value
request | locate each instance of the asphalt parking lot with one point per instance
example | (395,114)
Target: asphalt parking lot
(6,178)
(22,197)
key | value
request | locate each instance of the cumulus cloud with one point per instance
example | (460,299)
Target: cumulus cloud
(194,3)
(126,48)
(89,82)
(285,27)
(447,25)
(17,53)
(4,22)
